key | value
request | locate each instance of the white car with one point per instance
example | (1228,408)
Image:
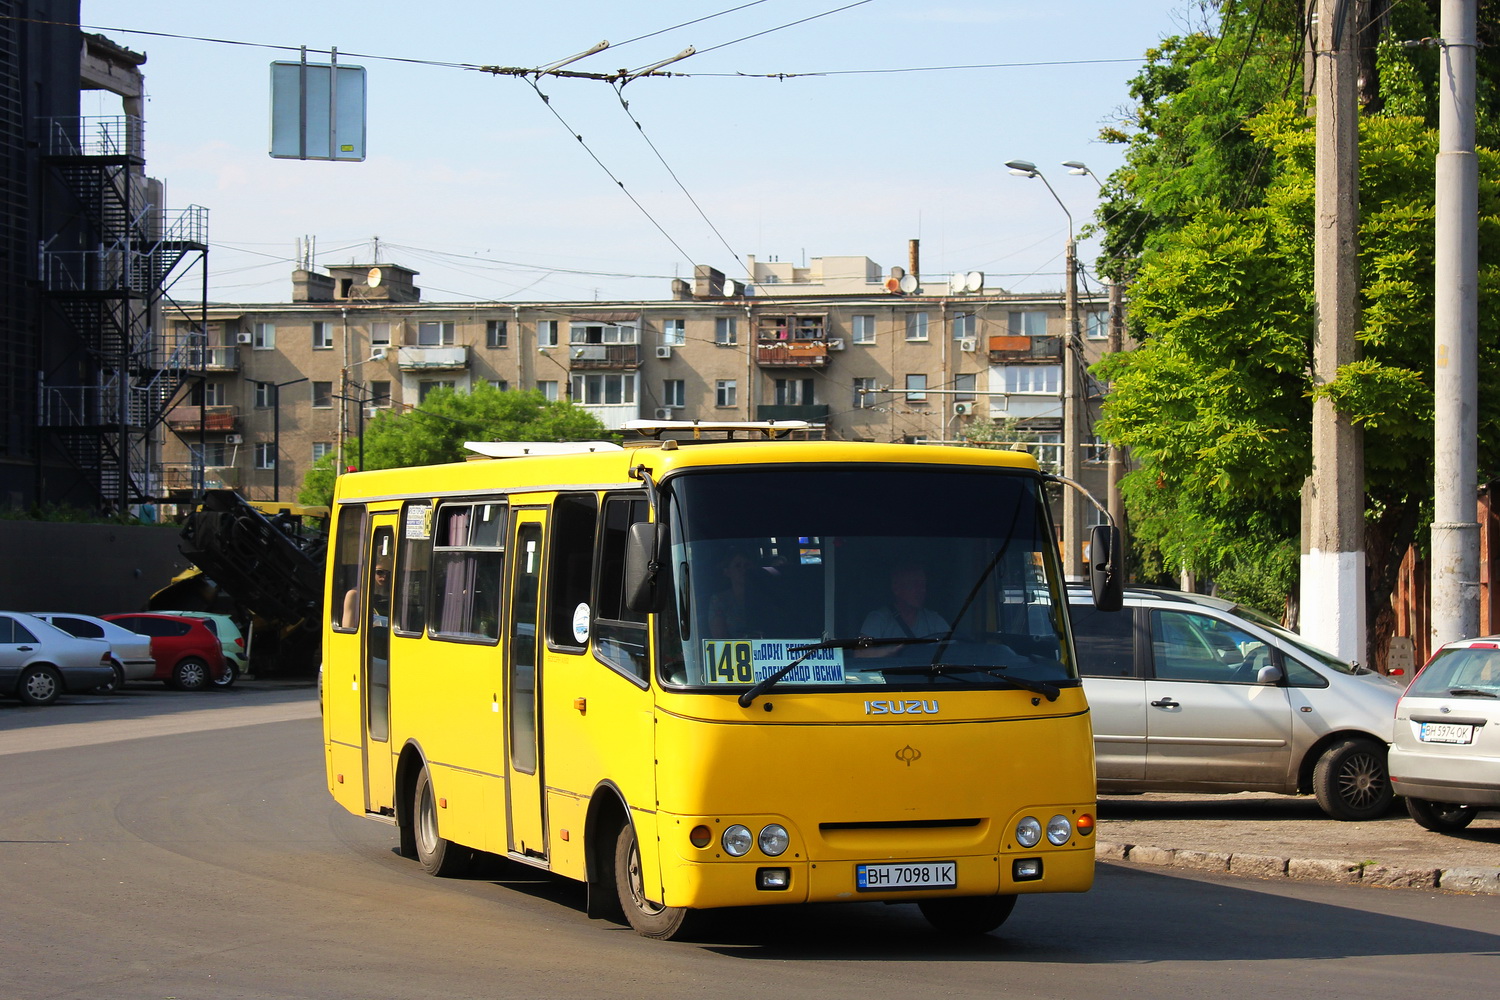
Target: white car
(1190,693)
(129,651)
(39,662)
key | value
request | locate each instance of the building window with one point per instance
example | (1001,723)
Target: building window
(864,393)
(963,388)
(500,384)
(604,389)
(674,332)
(263,337)
(726,331)
(794,392)
(1096,324)
(1096,450)
(322,335)
(546,333)
(496,333)
(1026,324)
(216,455)
(1031,379)
(321,448)
(209,394)
(265,395)
(380,334)
(916,388)
(322,394)
(726,392)
(603,333)
(965,326)
(862,329)
(265,455)
(380,394)
(674,393)
(428,386)
(916,326)
(548,389)
(434,334)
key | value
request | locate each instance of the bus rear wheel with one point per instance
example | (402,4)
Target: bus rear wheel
(649,919)
(967,915)
(439,857)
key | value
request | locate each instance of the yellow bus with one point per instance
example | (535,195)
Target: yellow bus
(716,675)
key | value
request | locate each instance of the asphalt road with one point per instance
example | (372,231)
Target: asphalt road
(176,846)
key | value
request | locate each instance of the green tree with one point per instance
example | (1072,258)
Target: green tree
(435,431)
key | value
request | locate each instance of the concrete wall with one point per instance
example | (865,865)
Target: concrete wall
(89,568)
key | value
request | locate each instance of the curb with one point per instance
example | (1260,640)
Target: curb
(1475,880)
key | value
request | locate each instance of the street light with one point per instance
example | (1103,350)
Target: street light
(376,354)
(361,402)
(1072,422)
(567,372)
(275,388)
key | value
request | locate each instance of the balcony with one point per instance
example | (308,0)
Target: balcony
(188,418)
(429,359)
(609,357)
(792,353)
(221,359)
(1003,349)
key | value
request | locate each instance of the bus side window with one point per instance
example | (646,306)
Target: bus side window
(467,560)
(619,633)
(348,544)
(412,566)
(574,522)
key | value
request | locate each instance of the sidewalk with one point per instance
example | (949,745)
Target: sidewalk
(1279,836)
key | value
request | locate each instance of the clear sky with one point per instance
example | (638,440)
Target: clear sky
(900,130)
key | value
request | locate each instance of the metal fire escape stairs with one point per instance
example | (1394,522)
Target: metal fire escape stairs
(140,347)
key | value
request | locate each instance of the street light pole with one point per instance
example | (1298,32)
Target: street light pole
(275,388)
(1072,420)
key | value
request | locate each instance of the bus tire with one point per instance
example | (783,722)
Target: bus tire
(439,857)
(648,919)
(966,916)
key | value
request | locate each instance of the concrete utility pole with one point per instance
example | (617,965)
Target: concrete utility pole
(1072,422)
(1455,385)
(1333,559)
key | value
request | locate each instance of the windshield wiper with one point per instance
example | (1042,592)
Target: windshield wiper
(1472,693)
(857,642)
(1049,691)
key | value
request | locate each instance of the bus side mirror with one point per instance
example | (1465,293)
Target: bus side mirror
(642,565)
(1106,578)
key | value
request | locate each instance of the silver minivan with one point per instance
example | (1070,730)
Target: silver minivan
(1195,694)
(1445,755)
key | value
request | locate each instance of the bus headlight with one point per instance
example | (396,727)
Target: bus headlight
(1028,832)
(737,840)
(1059,830)
(773,840)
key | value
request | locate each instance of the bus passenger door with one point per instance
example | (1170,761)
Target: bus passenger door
(525,807)
(378,575)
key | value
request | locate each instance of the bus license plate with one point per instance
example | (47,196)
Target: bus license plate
(1445,732)
(927,875)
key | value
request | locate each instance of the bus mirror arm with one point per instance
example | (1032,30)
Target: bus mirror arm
(1106,561)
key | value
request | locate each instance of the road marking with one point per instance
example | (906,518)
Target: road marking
(81,734)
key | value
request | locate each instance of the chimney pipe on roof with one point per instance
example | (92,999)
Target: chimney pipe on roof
(914,259)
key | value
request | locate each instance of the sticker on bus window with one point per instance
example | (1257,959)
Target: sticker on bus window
(419,520)
(745,661)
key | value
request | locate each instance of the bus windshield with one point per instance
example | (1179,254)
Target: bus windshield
(908,578)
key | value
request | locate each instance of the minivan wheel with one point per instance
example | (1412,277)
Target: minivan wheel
(1440,817)
(1351,782)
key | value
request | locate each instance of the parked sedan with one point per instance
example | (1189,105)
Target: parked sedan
(130,652)
(1193,694)
(188,656)
(39,662)
(1445,754)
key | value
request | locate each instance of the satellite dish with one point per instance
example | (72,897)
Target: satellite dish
(373,279)
(974,281)
(893,284)
(909,284)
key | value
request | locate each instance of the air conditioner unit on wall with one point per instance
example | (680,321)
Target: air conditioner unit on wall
(663,413)
(962,409)
(234,439)
(243,338)
(968,344)
(836,343)
(664,351)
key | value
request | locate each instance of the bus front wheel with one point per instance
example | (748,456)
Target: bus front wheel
(439,857)
(967,915)
(649,919)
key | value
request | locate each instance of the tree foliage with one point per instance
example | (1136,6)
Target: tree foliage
(435,431)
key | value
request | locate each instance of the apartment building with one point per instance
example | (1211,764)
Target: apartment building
(860,352)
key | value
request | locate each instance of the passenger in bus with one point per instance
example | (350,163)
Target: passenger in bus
(729,610)
(380,599)
(907,614)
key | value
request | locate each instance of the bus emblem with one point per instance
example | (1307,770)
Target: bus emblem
(909,754)
(914,706)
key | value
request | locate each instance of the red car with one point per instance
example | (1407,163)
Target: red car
(188,656)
